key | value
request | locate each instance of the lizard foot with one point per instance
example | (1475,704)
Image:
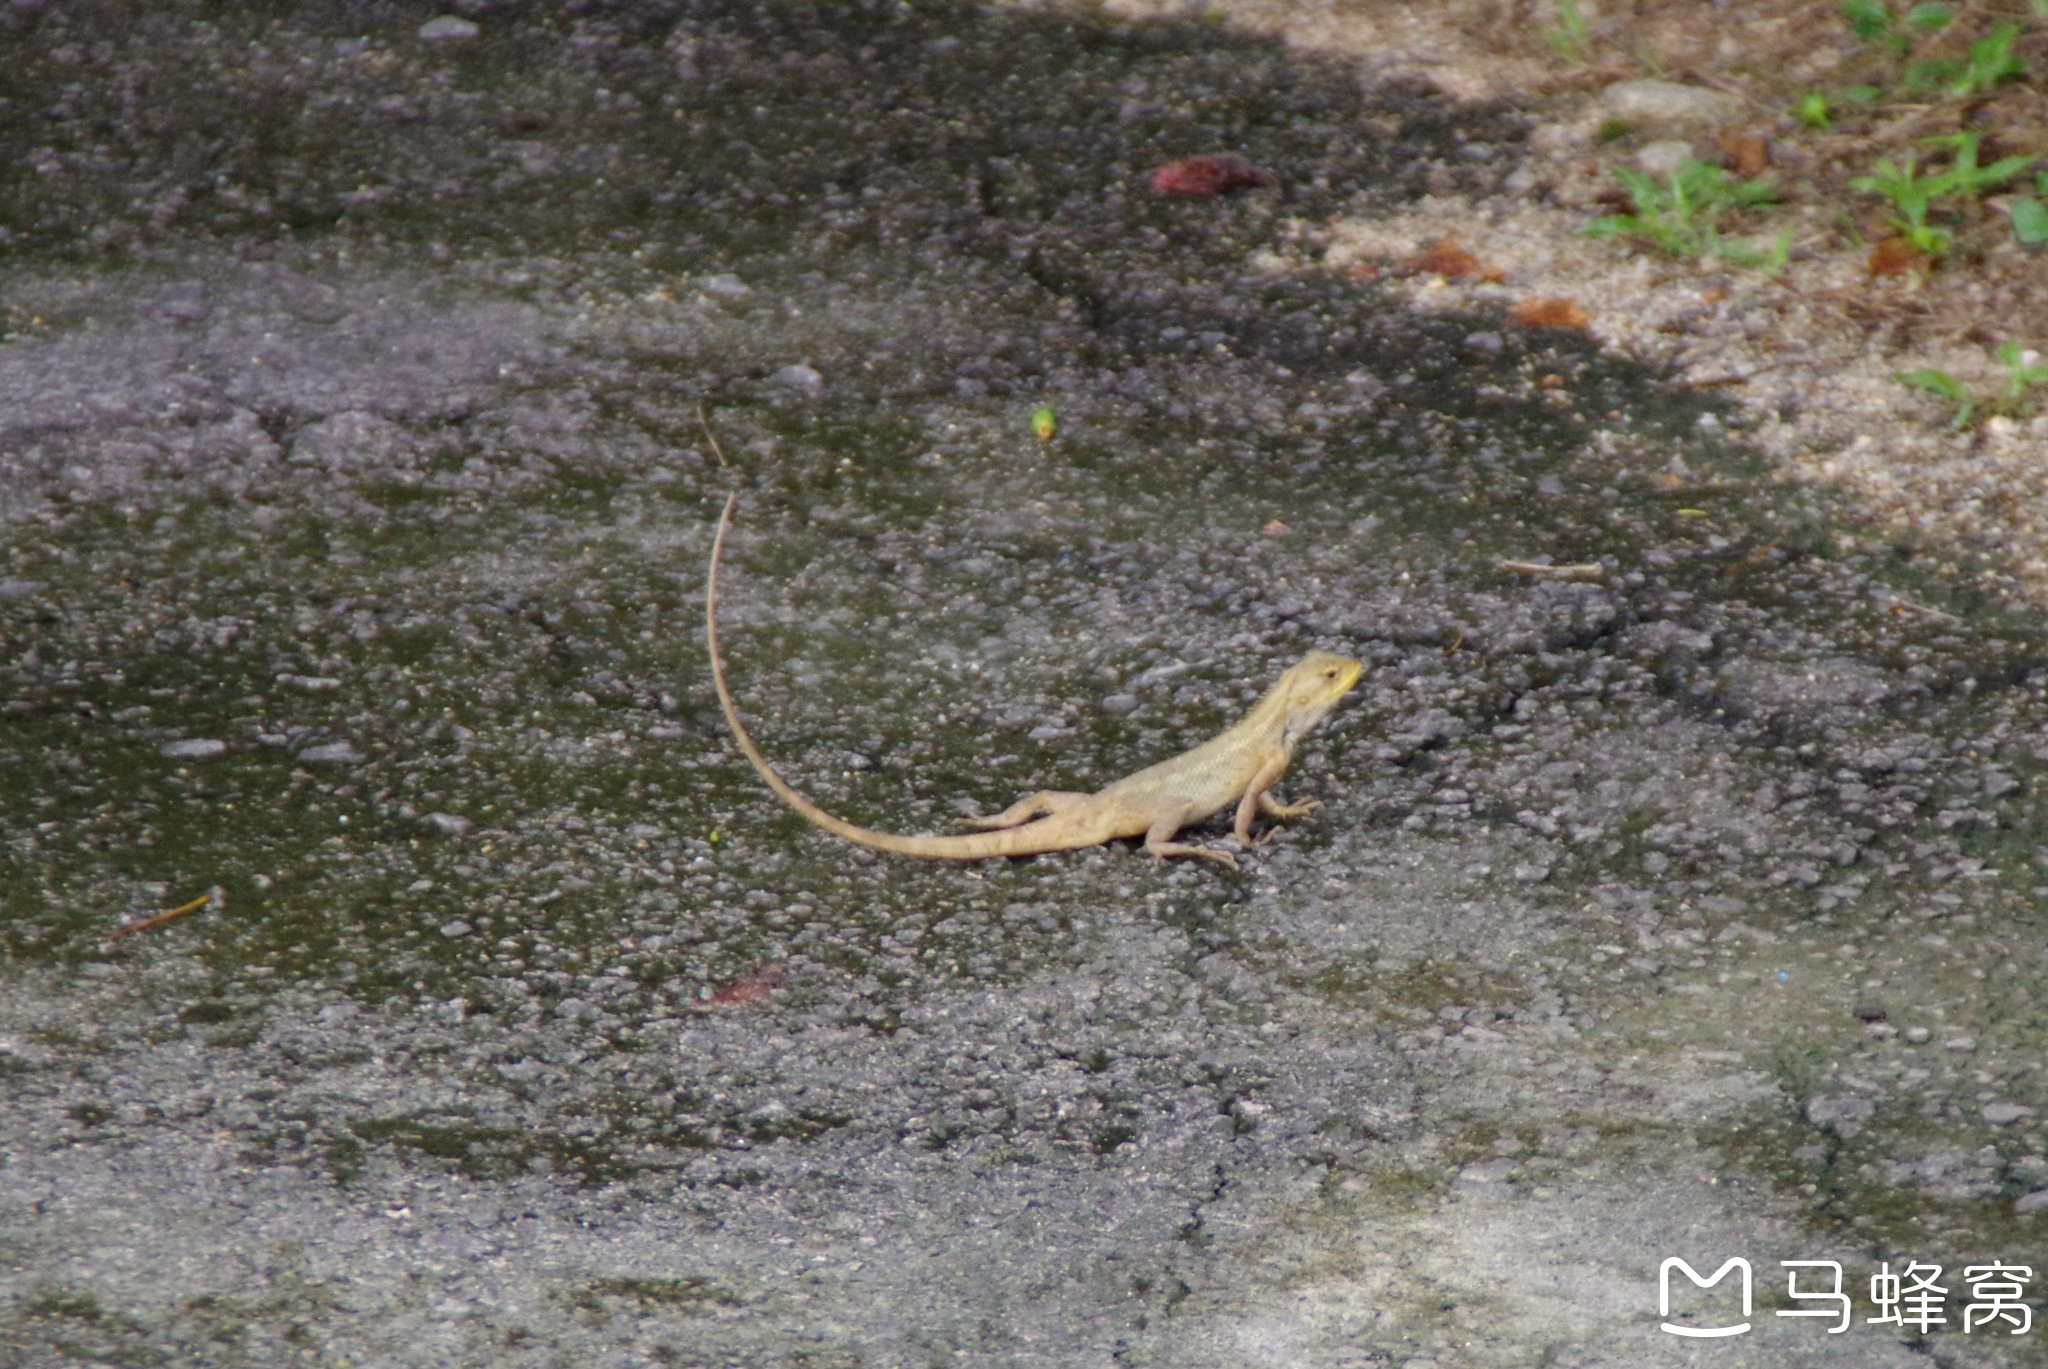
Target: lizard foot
(1160,850)
(1273,808)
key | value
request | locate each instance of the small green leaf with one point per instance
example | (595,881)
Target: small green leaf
(1949,388)
(1043,423)
(1812,110)
(1930,16)
(1862,95)
(2029,221)
(1612,226)
(1868,19)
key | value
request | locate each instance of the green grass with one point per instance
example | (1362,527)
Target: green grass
(1570,39)
(2023,369)
(1682,217)
(1913,194)
(1989,61)
(1947,387)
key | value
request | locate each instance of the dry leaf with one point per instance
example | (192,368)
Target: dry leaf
(1276,528)
(1450,260)
(748,988)
(1744,151)
(1897,256)
(1199,178)
(1549,312)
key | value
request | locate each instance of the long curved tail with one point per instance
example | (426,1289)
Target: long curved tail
(1026,840)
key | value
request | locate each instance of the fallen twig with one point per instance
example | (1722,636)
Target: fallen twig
(1585,570)
(215,898)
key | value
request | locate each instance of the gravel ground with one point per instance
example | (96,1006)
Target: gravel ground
(357,503)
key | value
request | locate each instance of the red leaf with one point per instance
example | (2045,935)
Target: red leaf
(1200,178)
(748,988)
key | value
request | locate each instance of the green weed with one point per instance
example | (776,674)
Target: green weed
(1570,39)
(1813,110)
(2023,368)
(1990,60)
(1874,22)
(1682,217)
(1949,388)
(1913,194)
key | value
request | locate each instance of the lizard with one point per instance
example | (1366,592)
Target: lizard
(1236,767)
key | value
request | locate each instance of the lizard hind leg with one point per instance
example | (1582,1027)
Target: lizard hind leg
(1043,804)
(1159,843)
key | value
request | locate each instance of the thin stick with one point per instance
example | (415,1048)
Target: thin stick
(704,422)
(1586,570)
(216,897)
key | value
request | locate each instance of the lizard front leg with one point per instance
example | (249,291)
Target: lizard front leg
(1255,797)
(1043,804)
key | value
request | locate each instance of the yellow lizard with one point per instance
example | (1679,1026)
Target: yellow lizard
(1237,767)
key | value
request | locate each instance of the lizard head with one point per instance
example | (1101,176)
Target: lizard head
(1308,691)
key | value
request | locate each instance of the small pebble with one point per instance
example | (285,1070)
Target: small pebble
(2005,1114)
(2031,1203)
(1669,102)
(725,284)
(448,28)
(1661,159)
(195,749)
(803,379)
(456,928)
(447,824)
(333,753)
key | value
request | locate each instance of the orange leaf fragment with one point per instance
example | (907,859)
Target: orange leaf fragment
(1450,260)
(1897,256)
(1276,528)
(751,987)
(1200,178)
(1549,311)
(1743,150)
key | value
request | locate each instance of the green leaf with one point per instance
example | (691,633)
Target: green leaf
(1868,19)
(1812,110)
(1862,95)
(1941,382)
(1930,16)
(2019,372)
(1612,226)
(1949,388)
(2005,168)
(1648,196)
(1991,60)
(2029,221)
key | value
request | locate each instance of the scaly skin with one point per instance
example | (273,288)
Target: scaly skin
(1236,767)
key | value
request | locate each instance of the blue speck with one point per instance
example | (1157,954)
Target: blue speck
(1784,975)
